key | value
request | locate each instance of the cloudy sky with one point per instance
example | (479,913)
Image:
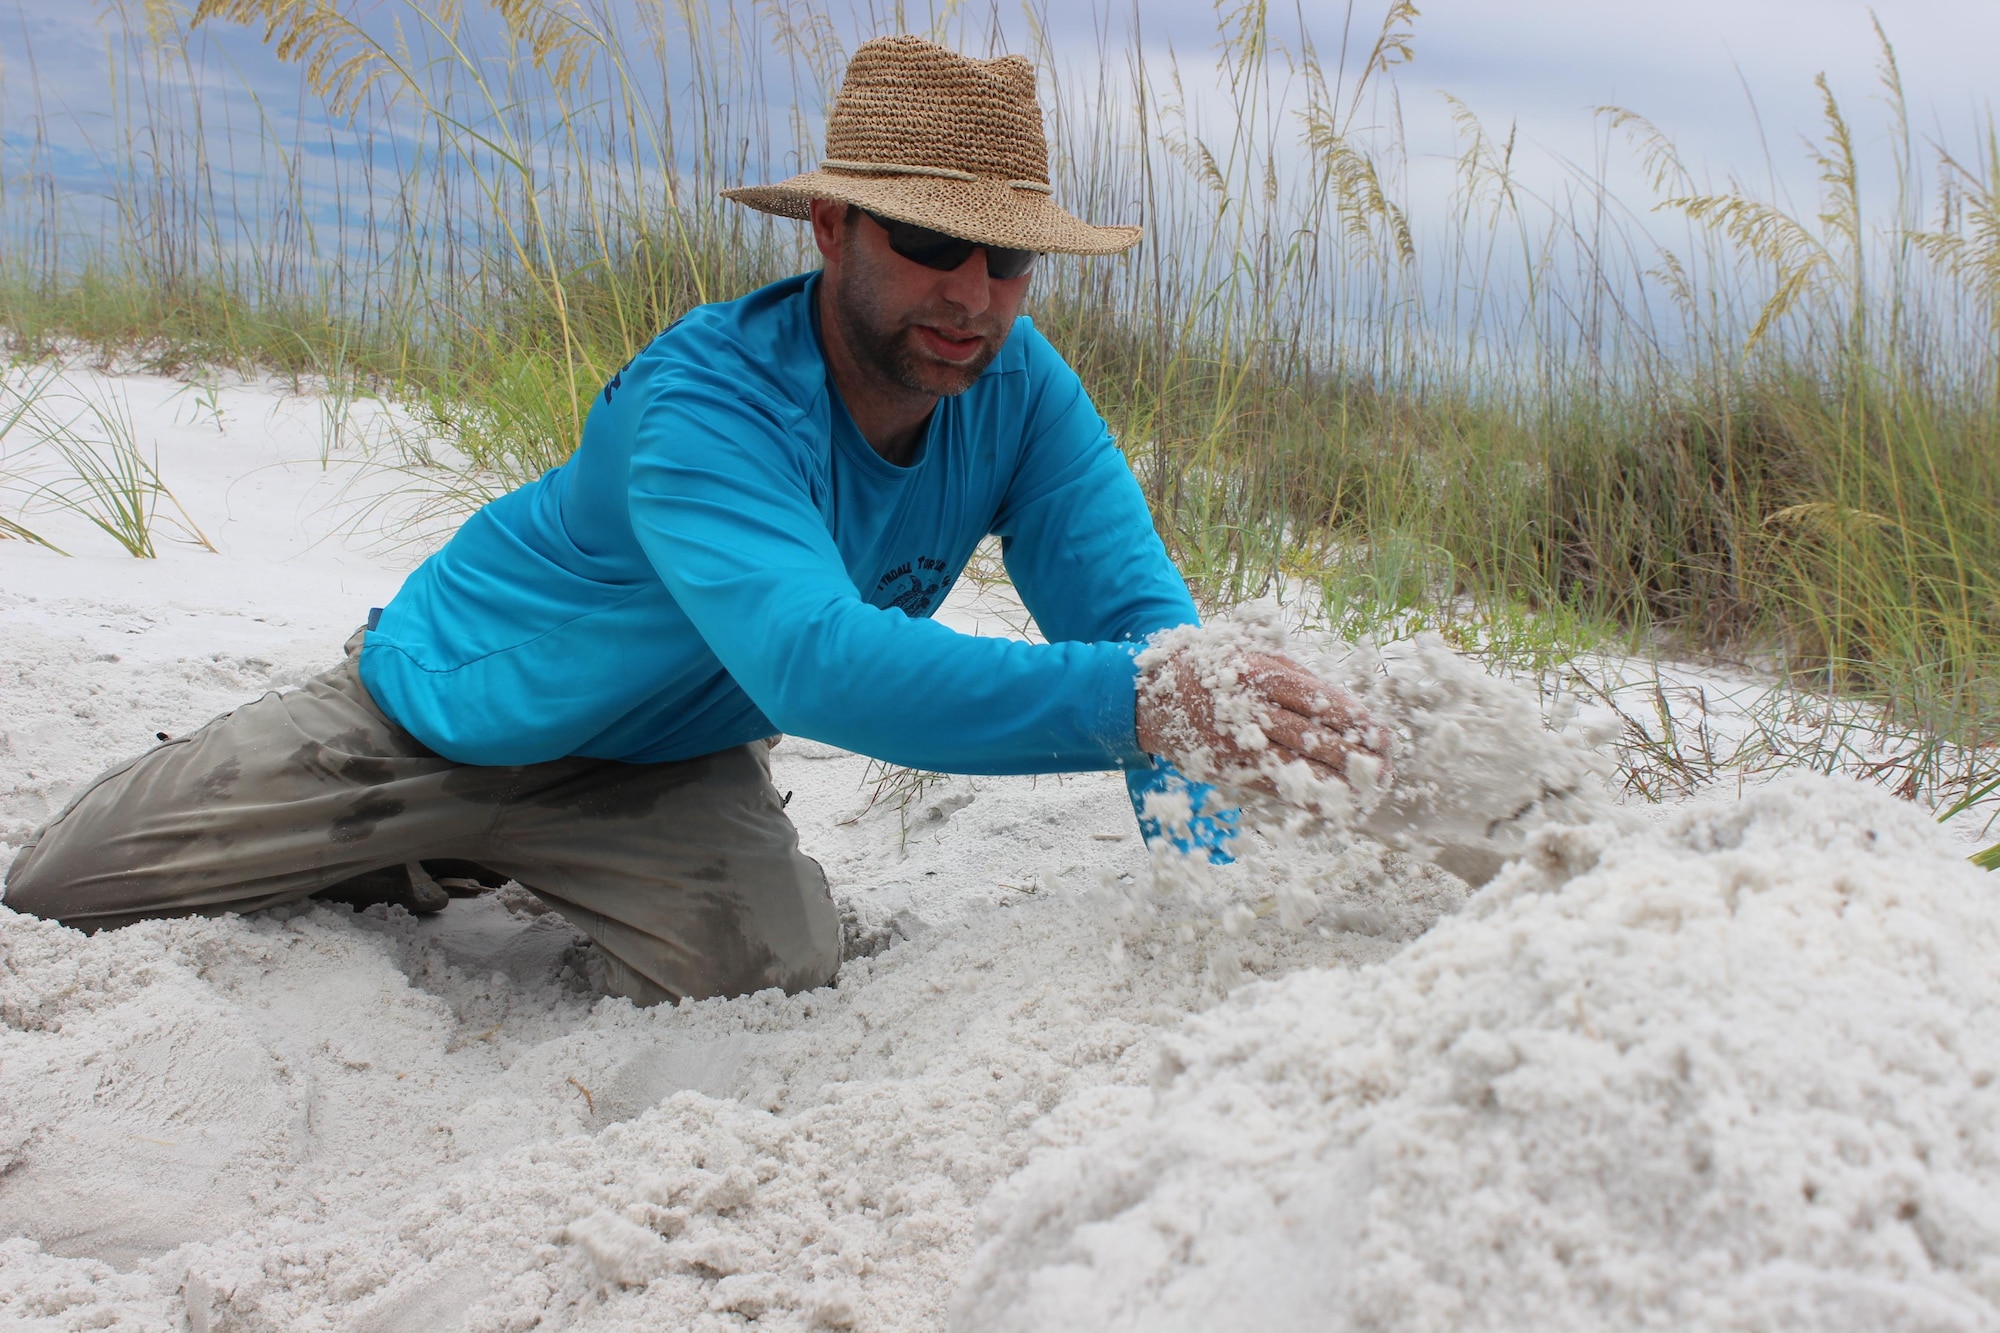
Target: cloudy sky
(1729,80)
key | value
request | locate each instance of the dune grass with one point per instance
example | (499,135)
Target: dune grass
(1525,422)
(65,452)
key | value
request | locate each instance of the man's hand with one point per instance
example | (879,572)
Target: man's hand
(1261,708)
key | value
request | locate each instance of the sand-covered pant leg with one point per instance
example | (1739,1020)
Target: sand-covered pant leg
(687,874)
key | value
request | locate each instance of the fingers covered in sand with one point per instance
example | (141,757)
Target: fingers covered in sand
(1251,716)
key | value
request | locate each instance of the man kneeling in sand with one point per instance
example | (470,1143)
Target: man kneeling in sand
(580,690)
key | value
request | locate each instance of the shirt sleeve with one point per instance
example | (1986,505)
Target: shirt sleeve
(722,505)
(1074,527)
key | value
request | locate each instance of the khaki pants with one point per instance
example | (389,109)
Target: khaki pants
(688,875)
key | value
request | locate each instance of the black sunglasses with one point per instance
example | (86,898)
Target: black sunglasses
(934,249)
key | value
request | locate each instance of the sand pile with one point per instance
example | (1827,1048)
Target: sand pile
(1735,1072)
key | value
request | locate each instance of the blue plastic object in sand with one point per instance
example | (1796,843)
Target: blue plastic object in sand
(1211,826)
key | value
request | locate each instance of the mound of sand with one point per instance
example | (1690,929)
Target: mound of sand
(1735,1072)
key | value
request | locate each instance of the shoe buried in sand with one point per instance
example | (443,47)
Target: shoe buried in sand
(418,894)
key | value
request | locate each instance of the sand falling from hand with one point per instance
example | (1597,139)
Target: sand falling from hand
(1476,770)
(1476,765)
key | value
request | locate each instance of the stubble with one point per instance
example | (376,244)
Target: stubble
(887,342)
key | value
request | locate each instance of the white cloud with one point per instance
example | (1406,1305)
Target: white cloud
(1691,66)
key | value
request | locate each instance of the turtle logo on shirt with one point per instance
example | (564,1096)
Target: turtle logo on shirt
(925,577)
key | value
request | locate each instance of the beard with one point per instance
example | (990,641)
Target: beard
(887,343)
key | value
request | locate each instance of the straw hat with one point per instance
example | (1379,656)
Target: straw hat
(922,134)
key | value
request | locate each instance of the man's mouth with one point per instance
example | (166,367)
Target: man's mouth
(947,346)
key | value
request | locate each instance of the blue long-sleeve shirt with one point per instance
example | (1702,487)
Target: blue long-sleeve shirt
(725,557)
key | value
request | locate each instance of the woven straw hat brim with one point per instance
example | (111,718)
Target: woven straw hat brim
(987,211)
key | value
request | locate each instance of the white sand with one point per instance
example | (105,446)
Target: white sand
(1732,1068)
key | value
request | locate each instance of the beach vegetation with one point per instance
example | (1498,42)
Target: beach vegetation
(1703,421)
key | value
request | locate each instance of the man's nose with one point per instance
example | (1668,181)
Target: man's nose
(968,286)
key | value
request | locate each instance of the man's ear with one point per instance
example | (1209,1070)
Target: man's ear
(829,224)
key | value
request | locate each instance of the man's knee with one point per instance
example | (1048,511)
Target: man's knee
(776,929)
(52,874)
(808,957)
(53,888)
(791,940)
(815,964)
(28,892)
(62,871)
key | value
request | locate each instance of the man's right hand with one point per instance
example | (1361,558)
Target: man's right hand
(1292,716)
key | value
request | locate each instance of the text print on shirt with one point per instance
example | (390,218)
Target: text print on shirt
(925,575)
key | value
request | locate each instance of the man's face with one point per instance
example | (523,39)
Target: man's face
(925,331)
